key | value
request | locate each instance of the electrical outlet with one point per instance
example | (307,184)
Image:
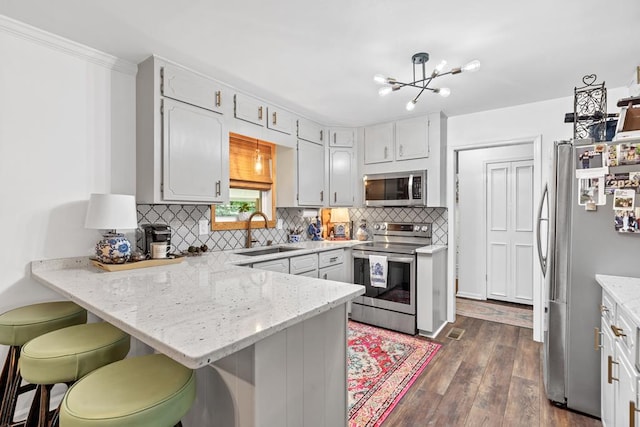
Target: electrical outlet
(279,224)
(203,227)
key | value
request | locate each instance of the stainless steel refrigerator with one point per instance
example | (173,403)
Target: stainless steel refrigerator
(578,245)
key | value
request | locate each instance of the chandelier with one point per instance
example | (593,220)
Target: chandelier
(420,59)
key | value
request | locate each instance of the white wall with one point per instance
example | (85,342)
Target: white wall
(540,119)
(67,129)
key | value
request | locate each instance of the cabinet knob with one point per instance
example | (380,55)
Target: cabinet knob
(325,276)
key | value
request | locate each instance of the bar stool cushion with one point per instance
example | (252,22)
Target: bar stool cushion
(22,324)
(68,354)
(146,391)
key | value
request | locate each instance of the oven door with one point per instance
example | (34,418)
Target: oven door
(400,293)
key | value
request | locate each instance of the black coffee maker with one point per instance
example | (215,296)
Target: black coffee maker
(155,233)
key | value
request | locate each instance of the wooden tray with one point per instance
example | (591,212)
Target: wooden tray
(138,264)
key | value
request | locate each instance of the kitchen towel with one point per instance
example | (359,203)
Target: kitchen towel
(378,271)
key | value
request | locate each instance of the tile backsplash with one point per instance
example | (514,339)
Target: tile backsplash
(183,220)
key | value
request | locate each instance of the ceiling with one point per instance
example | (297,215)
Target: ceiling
(318,57)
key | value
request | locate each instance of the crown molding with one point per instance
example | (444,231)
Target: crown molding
(47,39)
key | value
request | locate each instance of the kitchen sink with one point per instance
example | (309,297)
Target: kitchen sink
(265,251)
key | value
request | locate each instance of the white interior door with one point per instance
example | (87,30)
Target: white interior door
(509,231)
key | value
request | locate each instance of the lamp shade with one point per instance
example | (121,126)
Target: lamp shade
(111,212)
(340,215)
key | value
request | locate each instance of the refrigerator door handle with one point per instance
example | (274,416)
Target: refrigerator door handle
(543,259)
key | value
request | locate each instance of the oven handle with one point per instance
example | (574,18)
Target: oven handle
(365,255)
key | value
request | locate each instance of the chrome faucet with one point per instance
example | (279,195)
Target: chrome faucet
(266,225)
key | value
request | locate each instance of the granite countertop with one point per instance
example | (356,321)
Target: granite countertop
(431,249)
(625,291)
(204,308)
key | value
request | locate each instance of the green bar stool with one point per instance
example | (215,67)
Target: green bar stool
(145,391)
(16,328)
(65,356)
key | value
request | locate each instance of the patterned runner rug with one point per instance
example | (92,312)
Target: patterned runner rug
(382,367)
(495,312)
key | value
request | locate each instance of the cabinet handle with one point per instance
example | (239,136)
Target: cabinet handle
(334,137)
(218,189)
(610,377)
(335,197)
(386,151)
(333,259)
(275,118)
(603,308)
(322,196)
(325,276)
(401,150)
(218,98)
(321,135)
(596,339)
(259,113)
(632,413)
(618,332)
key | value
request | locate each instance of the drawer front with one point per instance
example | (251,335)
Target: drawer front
(280,265)
(608,308)
(626,334)
(303,263)
(331,257)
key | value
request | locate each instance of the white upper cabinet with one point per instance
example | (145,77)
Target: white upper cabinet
(341,177)
(412,138)
(192,147)
(192,88)
(310,167)
(250,109)
(182,144)
(378,143)
(341,137)
(279,120)
(311,131)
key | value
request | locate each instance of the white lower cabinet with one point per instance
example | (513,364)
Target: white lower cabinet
(431,290)
(335,272)
(619,377)
(280,265)
(304,265)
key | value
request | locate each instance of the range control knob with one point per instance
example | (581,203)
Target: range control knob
(425,228)
(383,226)
(376,226)
(416,228)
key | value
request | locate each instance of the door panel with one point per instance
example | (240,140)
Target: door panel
(509,190)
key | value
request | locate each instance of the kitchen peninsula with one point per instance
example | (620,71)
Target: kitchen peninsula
(269,348)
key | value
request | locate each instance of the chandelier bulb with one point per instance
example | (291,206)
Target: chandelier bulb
(472,66)
(379,78)
(440,66)
(411,105)
(385,90)
(443,92)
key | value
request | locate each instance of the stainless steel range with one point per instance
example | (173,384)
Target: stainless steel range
(392,306)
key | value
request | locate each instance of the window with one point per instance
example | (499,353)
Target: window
(251,182)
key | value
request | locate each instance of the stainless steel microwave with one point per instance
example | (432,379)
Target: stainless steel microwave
(396,189)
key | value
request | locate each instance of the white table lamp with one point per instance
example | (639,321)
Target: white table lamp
(112,212)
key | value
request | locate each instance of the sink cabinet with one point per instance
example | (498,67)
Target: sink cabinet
(306,265)
(280,265)
(182,148)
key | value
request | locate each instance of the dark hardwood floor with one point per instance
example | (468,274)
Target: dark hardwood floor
(490,377)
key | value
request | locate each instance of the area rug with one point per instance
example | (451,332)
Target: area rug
(382,367)
(495,312)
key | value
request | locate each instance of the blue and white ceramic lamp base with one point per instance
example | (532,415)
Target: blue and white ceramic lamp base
(113,249)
